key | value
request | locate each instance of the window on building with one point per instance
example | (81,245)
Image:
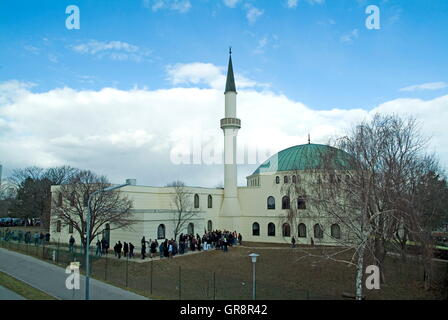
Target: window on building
(271,229)
(286,230)
(286,204)
(196,201)
(336,231)
(285,179)
(86,199)
(271,203)
(209,226)
(59,199)
(58,226)
(72,199)
(161,232)
(70,228)
(277,180)
(210,201)
(255,229)
(318,231)
(294,179)
(106,233)
(301,204)
(302,230)
(190,229)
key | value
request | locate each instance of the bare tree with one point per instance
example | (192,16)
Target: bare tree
(70,205)
(182,205)
(33,186)
(366,185)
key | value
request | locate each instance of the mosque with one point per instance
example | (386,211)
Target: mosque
(257,210)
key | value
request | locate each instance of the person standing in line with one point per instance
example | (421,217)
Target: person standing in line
(143,252)
(98,248)
(119,247)
(131,250)
(125,249)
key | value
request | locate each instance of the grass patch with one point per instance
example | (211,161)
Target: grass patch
(23,289)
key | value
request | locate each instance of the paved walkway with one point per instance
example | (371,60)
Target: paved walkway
(6,294)
(50,278)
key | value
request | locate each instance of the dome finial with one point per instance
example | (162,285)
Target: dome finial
(309,139)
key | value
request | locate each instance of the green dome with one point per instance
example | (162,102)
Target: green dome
(303,157)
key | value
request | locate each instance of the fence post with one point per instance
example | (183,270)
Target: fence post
(127,271)
(180,283)
(214,285)
(152,268)
(105,269)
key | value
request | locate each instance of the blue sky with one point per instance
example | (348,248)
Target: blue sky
(297,51)
(312,58)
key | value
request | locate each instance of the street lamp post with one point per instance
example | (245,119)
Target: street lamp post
(88,234)
(254,257)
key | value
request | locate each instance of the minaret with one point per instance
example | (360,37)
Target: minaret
(230,125)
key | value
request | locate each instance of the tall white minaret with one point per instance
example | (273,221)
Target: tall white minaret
(230,125)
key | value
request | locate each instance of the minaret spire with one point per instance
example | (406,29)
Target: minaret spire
(230,83)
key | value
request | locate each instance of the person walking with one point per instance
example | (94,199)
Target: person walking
(293,242)
(71,243)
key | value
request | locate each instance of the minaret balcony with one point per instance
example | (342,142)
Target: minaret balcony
(230,123)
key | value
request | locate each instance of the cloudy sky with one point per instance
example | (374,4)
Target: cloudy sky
(139,86)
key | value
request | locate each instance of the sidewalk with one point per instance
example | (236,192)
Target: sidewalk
(50,278)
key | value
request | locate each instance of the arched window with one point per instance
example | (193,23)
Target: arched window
(286,204)
(271,229)
(277,180)
(72,199)
(59,199)
(196,201)
(286,230)
(255,229)
(285,179)
(294,179)
(86,199)
(209,226)
(318,231)
(58,226)
(271,203)
(70,228)
(301,204)
(336,231)
(106,233)
(210,201)
(190,229)
(161,232)
(302,230)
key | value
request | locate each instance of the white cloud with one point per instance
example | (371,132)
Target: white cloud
(291,3)
(253,13)
(205,74)
(426,86)
(350,36)
(231,3)
(181,6)
(130,134)
(115,50)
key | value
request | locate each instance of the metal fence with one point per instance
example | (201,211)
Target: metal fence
(176,279)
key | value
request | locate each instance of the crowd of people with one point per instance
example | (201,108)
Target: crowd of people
(215,240)
(38,238)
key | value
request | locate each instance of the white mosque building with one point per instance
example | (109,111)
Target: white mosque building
(257,210)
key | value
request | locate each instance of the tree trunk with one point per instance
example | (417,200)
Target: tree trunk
(360,272)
